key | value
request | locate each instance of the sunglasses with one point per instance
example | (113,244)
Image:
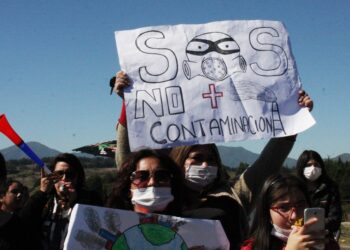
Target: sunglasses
(141,177)
(69,174)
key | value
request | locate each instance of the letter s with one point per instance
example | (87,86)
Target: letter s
(280,54)
(171,67)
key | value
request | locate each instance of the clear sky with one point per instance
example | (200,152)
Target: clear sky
(56,59)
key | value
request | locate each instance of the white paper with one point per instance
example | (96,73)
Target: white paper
(205,83)
(92,227)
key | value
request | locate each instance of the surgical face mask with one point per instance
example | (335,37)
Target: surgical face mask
(154,199)
(312,173)
(199,177)
(280,233)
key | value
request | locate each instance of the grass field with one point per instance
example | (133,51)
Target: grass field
(344,240)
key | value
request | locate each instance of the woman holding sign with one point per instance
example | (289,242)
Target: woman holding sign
(211,195)
(209,188)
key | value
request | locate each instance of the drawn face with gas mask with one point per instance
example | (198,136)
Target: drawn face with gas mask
(213,55)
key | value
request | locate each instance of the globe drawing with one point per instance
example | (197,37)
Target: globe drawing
(149,236)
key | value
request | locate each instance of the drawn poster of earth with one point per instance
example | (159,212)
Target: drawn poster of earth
(94,227)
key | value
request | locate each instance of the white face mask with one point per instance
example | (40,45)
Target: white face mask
(312,173)
(199,177)
(154,199)
(280,233)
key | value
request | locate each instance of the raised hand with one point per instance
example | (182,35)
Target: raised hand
(121,81)
(46,182)
(305,100)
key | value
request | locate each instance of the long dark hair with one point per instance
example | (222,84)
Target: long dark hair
(120,196)
(74,164)
(3,170)
(303,159)
(180,154)
(274,188)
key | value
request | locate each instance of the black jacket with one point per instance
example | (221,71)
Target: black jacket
(327,195)
(39,208)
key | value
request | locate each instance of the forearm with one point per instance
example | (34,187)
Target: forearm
(123,148)
(268,163)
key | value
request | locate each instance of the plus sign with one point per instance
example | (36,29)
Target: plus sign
(213,95)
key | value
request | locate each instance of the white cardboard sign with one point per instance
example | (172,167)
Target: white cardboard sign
(215,82)
(92,227)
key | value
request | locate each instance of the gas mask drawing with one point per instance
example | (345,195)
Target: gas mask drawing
(213,55)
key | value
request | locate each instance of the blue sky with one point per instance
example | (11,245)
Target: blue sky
(56,59)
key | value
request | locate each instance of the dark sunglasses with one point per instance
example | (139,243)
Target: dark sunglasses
(69,174)
(161,177)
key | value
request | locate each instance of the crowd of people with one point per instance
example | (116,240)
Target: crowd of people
(258,209)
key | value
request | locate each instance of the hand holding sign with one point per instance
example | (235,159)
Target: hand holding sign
(121,81)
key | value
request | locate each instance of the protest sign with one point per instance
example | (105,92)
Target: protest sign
(93,227)
(215,82)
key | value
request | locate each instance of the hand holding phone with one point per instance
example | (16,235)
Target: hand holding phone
(311,233)
(315,212)
(318,226)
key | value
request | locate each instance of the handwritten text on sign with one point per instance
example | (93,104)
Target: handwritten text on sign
(215,82)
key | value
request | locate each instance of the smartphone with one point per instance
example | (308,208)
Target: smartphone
(313,212)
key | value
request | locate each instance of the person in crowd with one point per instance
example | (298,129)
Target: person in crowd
(48,210)
(3,170)
(148,182)
(13,232)
(209,194)
(12,196)
(279,211)
(209,186)
(323,191)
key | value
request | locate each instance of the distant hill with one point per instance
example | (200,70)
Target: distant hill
(233,156)
(14,153)
(343,157)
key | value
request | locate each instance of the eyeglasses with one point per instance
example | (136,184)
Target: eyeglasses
(69,174)
(141,177)
(288,208)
